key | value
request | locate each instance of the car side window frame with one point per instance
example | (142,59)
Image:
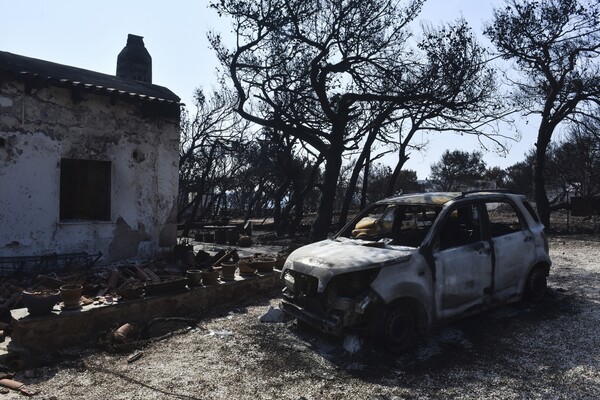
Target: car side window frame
(514,207)
(437,246)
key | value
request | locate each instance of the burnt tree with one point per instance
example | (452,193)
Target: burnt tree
(555,45)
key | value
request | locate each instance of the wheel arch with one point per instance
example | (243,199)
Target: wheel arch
(421,314)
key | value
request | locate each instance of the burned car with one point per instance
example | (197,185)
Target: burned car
(407,263)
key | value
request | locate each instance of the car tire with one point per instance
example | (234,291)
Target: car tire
(397,330)
(535,287)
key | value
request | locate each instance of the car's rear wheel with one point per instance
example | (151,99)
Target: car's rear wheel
(535,288)
(398,327)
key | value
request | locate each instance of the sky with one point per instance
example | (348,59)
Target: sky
(90,34)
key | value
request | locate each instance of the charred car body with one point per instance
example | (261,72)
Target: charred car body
(409,262)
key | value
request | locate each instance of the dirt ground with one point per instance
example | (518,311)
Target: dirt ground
(549,350)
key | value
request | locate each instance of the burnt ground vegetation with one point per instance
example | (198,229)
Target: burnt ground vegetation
(548,350)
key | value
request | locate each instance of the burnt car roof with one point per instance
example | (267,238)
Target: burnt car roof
(441,198)
(433,198)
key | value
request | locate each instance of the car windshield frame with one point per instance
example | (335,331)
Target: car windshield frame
(409,229)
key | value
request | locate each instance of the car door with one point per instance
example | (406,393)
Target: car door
(513,248)
(463,262)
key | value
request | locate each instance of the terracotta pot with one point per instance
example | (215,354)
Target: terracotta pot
(228,271)
(194,277)
(71,294)
(40,303)
(210,277)
(246,268)
(265,264)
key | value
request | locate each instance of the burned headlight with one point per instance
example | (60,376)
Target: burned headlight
(289,281)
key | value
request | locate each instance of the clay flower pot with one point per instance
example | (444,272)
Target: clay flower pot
(71,294)
(228,271)
(210,277)
(246,268)
(264,264)
(194,277)
(40,303)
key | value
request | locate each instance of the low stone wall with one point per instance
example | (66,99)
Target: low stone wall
(65,328)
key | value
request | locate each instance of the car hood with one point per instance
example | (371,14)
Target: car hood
(328,258)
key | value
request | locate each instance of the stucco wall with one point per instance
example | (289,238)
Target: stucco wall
(40,126)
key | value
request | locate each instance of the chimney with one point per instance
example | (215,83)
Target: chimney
(134,61)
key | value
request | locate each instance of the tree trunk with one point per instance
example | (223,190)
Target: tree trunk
(333,164)
(354,179)
(402,159)
(365,186)
(539,181)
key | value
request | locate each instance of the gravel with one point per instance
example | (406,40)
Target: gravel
(549,350)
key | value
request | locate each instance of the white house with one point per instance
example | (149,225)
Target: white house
(88,161)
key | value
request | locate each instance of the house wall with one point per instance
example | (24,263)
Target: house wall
(39,126)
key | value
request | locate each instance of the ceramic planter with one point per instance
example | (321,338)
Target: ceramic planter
(210,277)
(246,268)
(228,271)
(264,264)
(40,303)
(71,295)
(194,277)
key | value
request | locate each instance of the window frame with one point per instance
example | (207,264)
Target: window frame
(85,190)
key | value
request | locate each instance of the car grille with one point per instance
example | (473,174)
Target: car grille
(305,293)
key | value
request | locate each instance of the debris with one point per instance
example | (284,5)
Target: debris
(124,333)
(135,356)
(232,254)
(141,274)
(352,344)
(113,281)
(165,321)
(16,385)
(273,315)
(153,277)
(222,333)
(245,241)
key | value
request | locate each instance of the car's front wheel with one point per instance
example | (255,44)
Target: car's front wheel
(398,327)
(535,288)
